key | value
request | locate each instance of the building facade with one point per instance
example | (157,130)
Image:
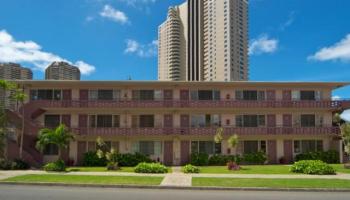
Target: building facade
(211,42)
(170,120)
(62,71)
(12,71)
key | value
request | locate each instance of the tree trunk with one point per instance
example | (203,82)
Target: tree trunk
(22,134)
(59,153)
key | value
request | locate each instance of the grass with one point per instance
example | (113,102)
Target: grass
(248,169)
(272,183)
(98,169)
(340,168)
(72,179)
(103,169)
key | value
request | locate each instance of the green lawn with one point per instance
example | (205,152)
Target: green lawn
(72,179)
(340,168)
(248,169)
(98,169)
(271,183)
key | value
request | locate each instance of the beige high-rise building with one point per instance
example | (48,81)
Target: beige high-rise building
(62,71)
(12,71)
(205,40)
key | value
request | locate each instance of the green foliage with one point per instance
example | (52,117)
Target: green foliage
(199,159)
(112,166)
(330,157)
(58,166)
(19,164)
(151,168)
(258,158)
(5,164)
(131,160)
(316,167)
(91,159)
(190,169)
(219,135)
(59,136)
(222,160)
(345,132)
(233,141)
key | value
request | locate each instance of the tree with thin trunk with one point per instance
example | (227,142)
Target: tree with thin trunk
(59,136)
(20,97)
(344,130)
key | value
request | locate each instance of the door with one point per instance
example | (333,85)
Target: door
(66,97)
(287,95)
(84,97)
(288,151)
(168,153)
(185,152)
(271,95)
(66,120)
(184,95)
(287,120)
(168,95)
(83,124)
(81,152)
(168,121)
(271,121)
(272,151)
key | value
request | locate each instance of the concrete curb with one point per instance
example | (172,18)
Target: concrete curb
(181,188)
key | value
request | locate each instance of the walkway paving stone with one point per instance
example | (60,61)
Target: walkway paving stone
(177,178)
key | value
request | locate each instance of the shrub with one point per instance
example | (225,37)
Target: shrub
(5,164)
(190,169)
(258,158)
(222,160)
(317,167)
(199,159)
(112,166)
(92,160)
(131,160)
(232,166)
(152,168)
(329,157)
(58,166)
(19,164)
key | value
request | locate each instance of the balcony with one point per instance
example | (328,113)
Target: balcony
(243,131)
(334,105)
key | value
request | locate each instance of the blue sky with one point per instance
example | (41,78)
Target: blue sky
(291,40)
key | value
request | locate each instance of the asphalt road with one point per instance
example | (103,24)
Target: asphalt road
(11,192)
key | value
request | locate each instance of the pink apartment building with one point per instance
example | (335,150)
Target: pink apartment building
(169,120)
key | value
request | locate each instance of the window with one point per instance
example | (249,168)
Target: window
(146,147)
(45,94)
(146,95)
(305,146)
(205,95)
(207,147)
(104,121)
(51,150)
(307,95)
(105,94)
(52,121)
(250,95)
(307,120)
(146,121)
(250,120)
(254,146)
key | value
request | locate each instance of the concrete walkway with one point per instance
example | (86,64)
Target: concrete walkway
(177,178)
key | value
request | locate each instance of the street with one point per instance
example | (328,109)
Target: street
(11,192)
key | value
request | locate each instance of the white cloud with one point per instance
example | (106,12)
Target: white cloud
(141,50)
(335,98)
(113,14)
(346,115)
(289,22)
(339,51)
(263,44)
(29,52)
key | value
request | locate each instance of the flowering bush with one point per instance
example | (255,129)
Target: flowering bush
(232,166)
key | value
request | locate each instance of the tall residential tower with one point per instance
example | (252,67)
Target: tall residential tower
(205,41)
(62,71)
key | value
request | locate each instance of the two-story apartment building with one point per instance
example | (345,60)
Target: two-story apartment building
(170,120)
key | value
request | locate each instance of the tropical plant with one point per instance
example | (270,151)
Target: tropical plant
(111,155)
(190,169)
(20,97)
(219,135)
(151,168)
(59,136)
(316,167)
(344,130)
(233,141)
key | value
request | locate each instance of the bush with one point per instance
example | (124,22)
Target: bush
(58,166)
(232,166)
(112,166)
(190,169)
(92,160)
(330,157)
(199,159)
(222,160)
(5,164)
(20,165)
(131,160)
(152,168)
(316,167)
(258,158)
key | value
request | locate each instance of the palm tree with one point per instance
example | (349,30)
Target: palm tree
(20,97)
(344,130)
(59,136)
